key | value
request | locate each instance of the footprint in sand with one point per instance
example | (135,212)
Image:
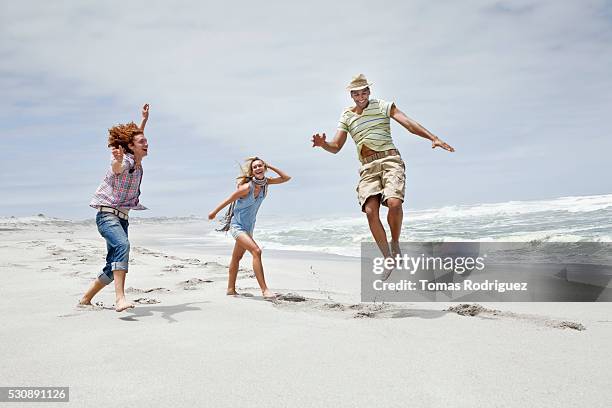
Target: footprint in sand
(72,274)
(194,283)
(334,306)
(567,325)
(80,261)
(95,307)
(138,290)
(146,301)
(291,297)
(173,268)
(471,310)
(215,264)
(358,311)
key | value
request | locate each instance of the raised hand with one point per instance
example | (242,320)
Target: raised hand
(118,153)
(145,111)
(212,215)
(318,140)
(439,143)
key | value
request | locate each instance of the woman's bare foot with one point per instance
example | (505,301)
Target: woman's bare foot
(232,292)
(85,302)
(121,304)
(268,294)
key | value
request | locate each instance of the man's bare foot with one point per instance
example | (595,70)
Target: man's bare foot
(122,304)
(395,249)
(268,294)
(232,292)
(85,302)
(387,270)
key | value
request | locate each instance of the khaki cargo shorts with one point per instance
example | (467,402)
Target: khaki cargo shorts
(385,177)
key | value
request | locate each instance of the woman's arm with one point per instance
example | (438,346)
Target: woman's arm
(117,164)
(416,128)
(145,116)
(277,180)
(240,192)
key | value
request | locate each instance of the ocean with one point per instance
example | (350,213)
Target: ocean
(565,219)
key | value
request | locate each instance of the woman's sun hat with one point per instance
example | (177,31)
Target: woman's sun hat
(358,82)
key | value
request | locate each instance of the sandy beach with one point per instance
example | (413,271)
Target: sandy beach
(187,343)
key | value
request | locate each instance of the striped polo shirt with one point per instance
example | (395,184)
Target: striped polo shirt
(372,128)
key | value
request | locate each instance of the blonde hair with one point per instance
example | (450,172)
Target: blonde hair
(123,135)
(246,170)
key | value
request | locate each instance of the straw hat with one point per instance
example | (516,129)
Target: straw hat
(358,82)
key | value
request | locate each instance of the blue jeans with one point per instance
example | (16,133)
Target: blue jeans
(115,232)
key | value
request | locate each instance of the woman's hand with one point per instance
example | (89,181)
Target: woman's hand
(145,116)
(212,215)
(277,180)
(117,165)
(118,153)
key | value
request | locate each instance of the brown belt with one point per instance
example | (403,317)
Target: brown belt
(379,155)
(115,211)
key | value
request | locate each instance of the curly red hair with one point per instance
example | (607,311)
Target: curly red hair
(123,135)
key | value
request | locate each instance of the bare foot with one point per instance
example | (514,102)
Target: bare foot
(395,249)
(232,292)
(268,294)
(387,271)
(122,304)
(85,302)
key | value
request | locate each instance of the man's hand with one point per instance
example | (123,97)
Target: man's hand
(118,153)
(212,215)
(439,143)
(318,140)
(145,112)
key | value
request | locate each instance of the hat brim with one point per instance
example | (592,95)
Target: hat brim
(359,88)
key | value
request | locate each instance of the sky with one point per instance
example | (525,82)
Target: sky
(521,89)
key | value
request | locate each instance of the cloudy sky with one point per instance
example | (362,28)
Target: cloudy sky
(521,89)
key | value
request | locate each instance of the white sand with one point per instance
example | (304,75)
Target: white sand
(198,347)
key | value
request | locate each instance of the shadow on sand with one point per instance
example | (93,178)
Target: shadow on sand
(295,302)
(167,312)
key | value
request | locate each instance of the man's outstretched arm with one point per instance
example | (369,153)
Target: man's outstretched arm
(416,128)
(334,146)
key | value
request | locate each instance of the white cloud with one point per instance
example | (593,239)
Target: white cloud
(261,77)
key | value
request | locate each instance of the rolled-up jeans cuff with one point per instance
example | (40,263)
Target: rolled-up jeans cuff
(119,266)
(104,278)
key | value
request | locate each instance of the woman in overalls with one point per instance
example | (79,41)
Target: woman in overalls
(240,218)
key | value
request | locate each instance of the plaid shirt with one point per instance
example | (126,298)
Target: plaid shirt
(120,190)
